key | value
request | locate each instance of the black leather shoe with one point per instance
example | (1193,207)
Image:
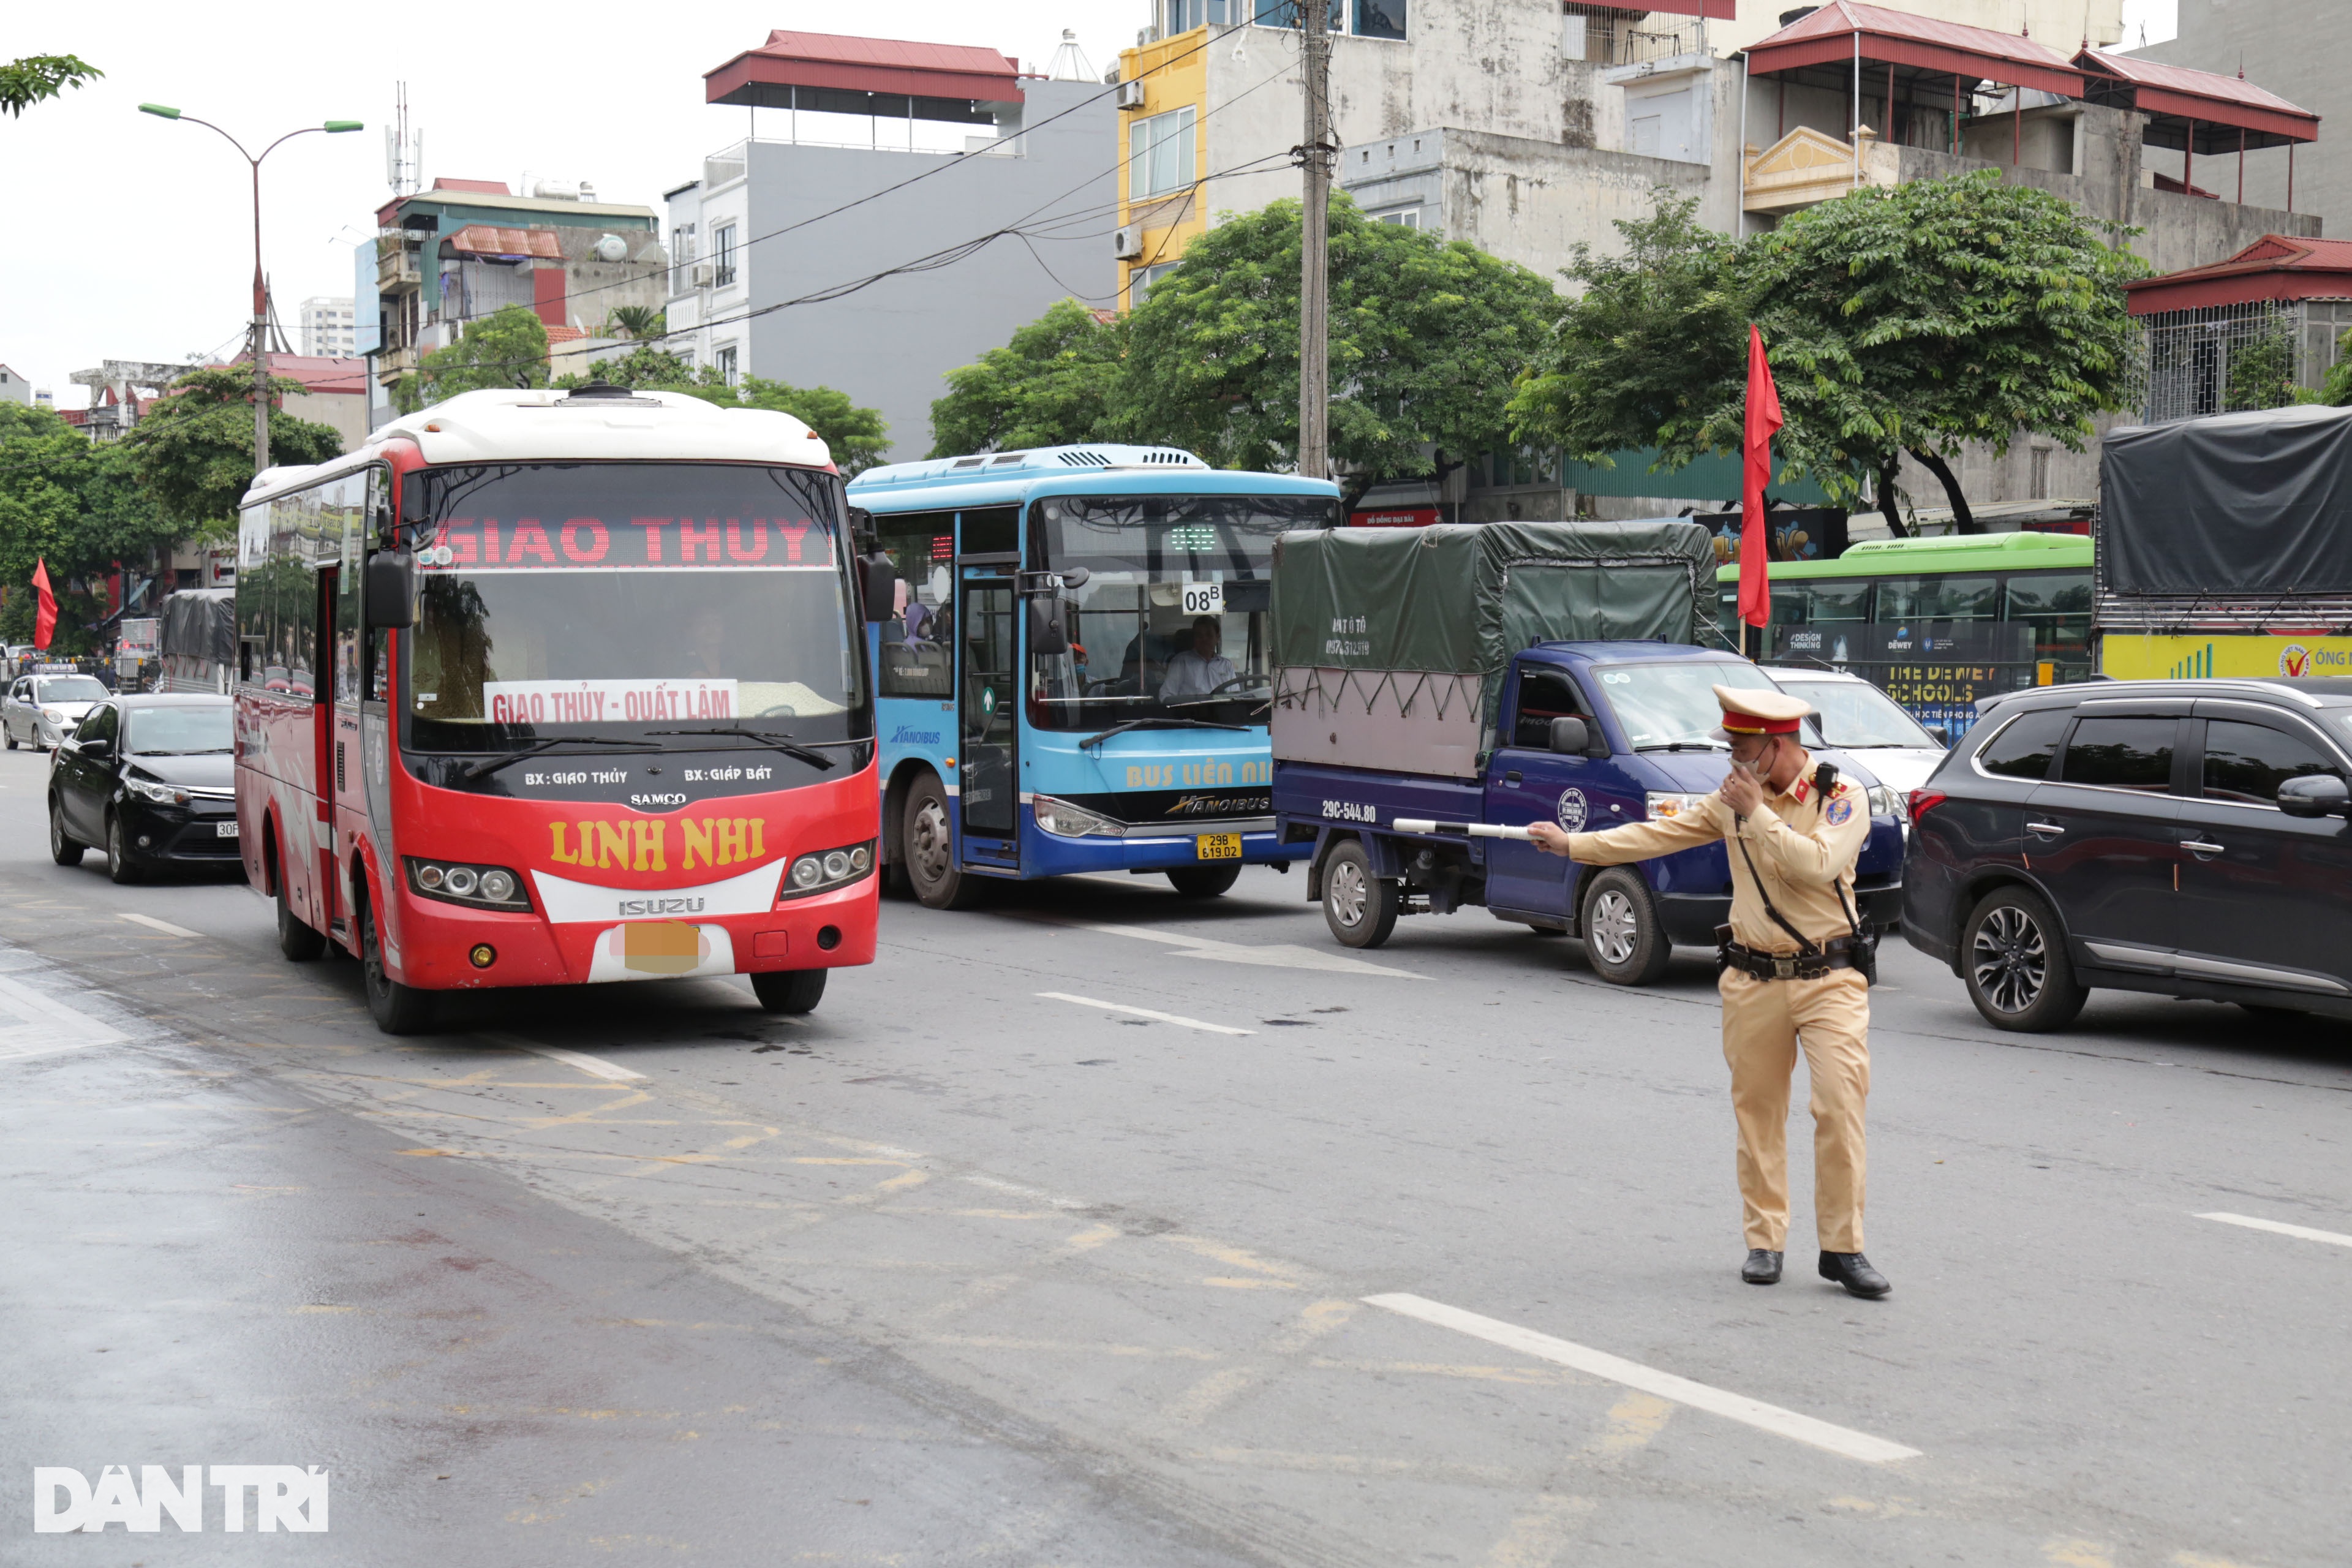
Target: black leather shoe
(1853,1272)
(1762,1267)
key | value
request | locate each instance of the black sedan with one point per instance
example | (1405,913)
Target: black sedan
(150,780)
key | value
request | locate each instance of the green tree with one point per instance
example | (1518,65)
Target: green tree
(193,454)
(2337,389)
(1427,338)
(506,348)
(636,321)
(858,437)
(80,507)
(26,82)
(1053,384)
(645,365)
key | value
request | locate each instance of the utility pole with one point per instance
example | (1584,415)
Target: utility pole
(1314,283)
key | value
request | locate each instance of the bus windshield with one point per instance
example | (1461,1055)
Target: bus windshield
(604,598)
(1171,622)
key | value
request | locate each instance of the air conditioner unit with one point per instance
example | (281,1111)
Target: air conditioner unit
(704,274)
(1127,244)
(1130,95)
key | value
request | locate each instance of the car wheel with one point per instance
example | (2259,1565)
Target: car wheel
(2013,956)
(1624,942)
(119,867)
(64,848)
(397,1009)
(1205,881)
(790,990)
(296,940)
(1360,908)
(12,740)
(931,870)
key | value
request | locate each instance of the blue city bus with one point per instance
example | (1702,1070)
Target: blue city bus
(1076,670)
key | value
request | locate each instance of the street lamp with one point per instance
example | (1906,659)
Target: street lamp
(260,289)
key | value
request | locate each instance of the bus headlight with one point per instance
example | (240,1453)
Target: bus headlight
(822,871)
(477,887)
(1064,820)
(1665,805)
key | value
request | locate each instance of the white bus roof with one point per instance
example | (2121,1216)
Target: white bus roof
(550,424)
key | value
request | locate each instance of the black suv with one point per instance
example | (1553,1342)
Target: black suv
(2189,837)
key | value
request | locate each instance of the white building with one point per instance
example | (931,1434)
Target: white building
(327,327)
(14,388)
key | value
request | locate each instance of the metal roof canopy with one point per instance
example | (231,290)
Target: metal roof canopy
(2276,267)
(1820,51)
(2226,114)
(896,79)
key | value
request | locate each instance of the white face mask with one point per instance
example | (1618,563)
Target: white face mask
(1756,769)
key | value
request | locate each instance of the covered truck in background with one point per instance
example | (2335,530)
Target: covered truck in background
(198,640)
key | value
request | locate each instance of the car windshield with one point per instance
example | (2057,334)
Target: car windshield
(1171,622)
(69,689)
(177,732)
(1673,704)
(609,598)
(1855,715)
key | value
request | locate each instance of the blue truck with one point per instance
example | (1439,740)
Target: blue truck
(1402,720)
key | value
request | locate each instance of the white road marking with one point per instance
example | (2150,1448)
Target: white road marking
(2281,1228)
(48,1025)
(594,1065)
(1269,955)
(1650,1380)
(166,927)
(1146,1013)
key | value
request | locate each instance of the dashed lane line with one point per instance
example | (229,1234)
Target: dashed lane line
(595,1066)
(1176,1018)
(2280,1227)
(1755,1413)
(152,923)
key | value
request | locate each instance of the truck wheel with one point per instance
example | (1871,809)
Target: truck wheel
(2013,956)
(1360,908)
(790,990)
(930,852)
(1205,881)
(1623,941)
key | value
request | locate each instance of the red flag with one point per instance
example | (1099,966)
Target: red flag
(45,624)
(1754,533)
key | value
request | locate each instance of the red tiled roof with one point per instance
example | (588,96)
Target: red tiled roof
(479,187)
(487,239)
(894,66)
(564,335)
(1924,43)
(2275,267)
(2206,97)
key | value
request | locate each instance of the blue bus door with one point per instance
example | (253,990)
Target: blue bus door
(989,711)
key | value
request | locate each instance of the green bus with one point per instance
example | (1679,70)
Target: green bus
(1938,622)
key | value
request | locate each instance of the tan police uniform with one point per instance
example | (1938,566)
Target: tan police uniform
(1804,849)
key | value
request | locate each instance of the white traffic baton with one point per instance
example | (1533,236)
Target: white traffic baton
(1460,829)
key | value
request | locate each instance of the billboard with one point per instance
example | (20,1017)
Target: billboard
(2128,656)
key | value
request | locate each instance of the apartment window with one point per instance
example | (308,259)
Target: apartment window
(726,359)
(1403,217)
(1183,16)
(1159,154)
(1139,281)
(2040,484)
(1364,18)
(723,252)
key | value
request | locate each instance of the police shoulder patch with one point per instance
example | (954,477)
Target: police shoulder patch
(1841,810)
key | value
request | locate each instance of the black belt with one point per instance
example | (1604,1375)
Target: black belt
(1836,953)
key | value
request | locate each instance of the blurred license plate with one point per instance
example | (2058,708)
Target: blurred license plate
(225,829)
(1217,847)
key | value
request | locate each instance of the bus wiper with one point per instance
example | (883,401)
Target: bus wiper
(783,743)
(1124,725)
(492,765)
(1684,746)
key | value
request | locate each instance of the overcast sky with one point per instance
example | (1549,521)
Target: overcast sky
(132,238)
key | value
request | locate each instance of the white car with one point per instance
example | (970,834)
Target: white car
(1853,715)
(44,710)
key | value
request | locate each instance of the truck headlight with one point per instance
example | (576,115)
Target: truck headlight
(1664,805)
(1064,820)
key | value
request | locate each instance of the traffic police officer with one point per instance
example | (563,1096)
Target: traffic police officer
(1788,960)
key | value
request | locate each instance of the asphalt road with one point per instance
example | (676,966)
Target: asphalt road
(1101,1229)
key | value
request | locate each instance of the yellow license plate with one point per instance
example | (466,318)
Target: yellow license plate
(1217,847)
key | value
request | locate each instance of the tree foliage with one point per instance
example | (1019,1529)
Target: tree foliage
(1426,337)
(2337,389)
(856,435)
(26,82)
(636,321)
(506,348)
(1913,319)
(80,507)
(193,454)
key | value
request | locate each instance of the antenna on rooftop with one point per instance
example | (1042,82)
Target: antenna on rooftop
(403,151)
(1070,62)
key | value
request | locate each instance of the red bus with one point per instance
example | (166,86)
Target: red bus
(540,689)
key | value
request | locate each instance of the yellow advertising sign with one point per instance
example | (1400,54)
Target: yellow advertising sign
(2134,657)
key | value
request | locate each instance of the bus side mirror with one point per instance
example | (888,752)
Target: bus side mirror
(879,582)
(1047,637)
(1569,737)
(2315,795)
(391,590)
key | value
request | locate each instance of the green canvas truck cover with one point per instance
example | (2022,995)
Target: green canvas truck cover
(1390,645)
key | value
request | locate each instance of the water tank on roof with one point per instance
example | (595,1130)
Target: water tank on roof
(556,191)
(611,248)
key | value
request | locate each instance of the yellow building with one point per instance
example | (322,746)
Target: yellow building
(1164,144)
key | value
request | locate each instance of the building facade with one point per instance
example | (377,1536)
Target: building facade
(14,388)
(882,302)
(326,326)
(454,254)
